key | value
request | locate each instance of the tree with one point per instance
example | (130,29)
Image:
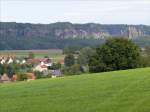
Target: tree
(71,49)
(1,69)
(67,50)
(55,66)
(10,70)
(69,60)
(146,56)
(72,70)
(115,54)
(84,55)
(38,74)
(147,50)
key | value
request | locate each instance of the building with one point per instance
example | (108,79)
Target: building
(56,73)
(41,61)
(41,64)
(40,68)
(4,78)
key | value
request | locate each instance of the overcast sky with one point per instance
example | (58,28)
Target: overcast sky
(75,11)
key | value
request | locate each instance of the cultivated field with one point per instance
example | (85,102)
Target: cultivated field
(119,91)
(55,54)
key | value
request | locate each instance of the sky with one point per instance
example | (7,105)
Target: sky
(76,11)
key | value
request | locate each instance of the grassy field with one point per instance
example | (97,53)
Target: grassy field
(55,54)
(119,91)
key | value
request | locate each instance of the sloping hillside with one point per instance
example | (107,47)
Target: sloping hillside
(119,91)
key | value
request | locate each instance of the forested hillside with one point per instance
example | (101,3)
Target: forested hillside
(58,35)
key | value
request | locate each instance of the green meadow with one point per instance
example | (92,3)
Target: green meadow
(117,91)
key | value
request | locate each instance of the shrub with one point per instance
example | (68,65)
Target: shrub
(73,70)
(38,74)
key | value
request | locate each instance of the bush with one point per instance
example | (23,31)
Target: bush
(38,74)
(73,70)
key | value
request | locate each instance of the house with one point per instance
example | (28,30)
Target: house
(42,61)
(45,61)
(56,73)
(14,77)
(3,61)
(33,61)
(61,61)
(17,61)
(23,61)
(10,60)
(40,68)
(4,78)
(41,64)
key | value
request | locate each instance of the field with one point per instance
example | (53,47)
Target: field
(55,54)
(118,91)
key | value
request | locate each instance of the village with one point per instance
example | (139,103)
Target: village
(27,68)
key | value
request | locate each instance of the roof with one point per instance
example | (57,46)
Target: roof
(4,77)
(56,72)
(43,66)
(61,61)
(38,60)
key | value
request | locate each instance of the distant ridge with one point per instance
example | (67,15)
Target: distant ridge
(54,35)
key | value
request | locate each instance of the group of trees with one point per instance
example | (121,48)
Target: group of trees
(71,68)
(77,62)
(146,56)
(114,54)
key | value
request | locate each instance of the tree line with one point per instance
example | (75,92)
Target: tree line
(114,54)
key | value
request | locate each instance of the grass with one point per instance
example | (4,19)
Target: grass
(118,91)
(55,54)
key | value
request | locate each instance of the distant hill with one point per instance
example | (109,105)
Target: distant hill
(57,35)
(118,91)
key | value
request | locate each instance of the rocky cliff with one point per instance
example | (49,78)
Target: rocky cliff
(68,30)
(57,35)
